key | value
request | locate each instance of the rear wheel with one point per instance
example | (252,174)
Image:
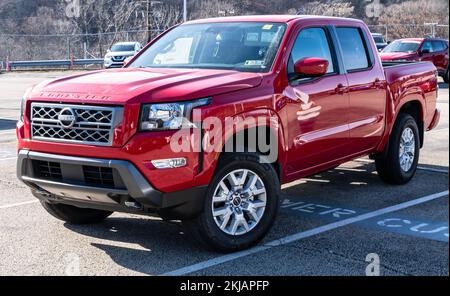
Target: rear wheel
(398,164)
(446,76)
(240,207)
(74,215)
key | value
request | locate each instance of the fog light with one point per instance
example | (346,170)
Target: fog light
(169,163)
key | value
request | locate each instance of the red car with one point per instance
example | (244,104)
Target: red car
(207,122)
(420,49)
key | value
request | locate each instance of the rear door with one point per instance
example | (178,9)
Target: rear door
(440,55)
(367,92)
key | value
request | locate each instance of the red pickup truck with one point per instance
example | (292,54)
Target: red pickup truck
(433,50)
(180,131)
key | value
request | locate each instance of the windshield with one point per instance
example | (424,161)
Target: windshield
(379,39)
(122,47)
(247,46)
(402,46)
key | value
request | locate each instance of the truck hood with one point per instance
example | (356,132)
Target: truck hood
(392,56)
(143,85)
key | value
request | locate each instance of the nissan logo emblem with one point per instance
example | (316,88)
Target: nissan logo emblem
(67,118)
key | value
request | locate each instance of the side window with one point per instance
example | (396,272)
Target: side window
(311,43)
(438,46)
(427,46)
(354,50)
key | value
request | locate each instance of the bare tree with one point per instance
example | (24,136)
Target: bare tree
(407,19)
(329,8)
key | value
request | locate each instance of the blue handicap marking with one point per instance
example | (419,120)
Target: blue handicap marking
(325,212)
(393,223)
(430,230)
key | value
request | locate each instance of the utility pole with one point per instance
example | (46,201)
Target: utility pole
(433,28)
(149,14)
(149,21)
(184,11)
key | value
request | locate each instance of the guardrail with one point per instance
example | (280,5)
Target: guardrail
(48,64)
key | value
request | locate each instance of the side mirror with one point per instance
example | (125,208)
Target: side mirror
(311,67)
(425,50)
(389,42)
(127,61)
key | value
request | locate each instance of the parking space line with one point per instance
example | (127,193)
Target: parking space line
(422,168)
(302,235)
(433,170)
(19,204)
(9,158)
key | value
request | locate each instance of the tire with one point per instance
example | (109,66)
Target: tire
(74,215)
(446,76)
(389,164)
(206,230)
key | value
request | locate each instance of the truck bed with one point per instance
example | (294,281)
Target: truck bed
(405,72)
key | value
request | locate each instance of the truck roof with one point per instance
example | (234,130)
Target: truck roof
(266,18)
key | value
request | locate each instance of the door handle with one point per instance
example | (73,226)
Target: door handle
(341,89)
(378,83)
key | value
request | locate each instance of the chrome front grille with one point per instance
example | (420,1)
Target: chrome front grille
(90,125)
(118,58)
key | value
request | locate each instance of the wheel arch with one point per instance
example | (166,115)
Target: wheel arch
(416,110)
(268,122)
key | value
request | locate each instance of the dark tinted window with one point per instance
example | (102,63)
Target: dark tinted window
(353,49)
(122,47)
(311,43)
(379,39)
(428,46)
(438,46)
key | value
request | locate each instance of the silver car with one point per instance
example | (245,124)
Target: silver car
(379,41)
(119,52)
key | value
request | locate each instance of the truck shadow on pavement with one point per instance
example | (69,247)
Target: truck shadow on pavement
(150,246)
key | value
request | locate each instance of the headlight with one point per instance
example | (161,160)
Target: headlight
(23,104)
(170,116)
(22,109)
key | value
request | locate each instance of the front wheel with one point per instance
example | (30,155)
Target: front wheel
(446,76)
(240,206)
(398,164)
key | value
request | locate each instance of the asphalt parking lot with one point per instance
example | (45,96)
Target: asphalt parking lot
(335,223)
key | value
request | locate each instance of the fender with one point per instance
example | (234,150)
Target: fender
(415,94)
(243,121)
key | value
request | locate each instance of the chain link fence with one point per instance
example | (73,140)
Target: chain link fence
(397,31)
(56,47)
(94,46)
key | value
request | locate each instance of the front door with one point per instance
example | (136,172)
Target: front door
(317,108)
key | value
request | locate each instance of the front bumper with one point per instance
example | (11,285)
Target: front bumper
(65,181)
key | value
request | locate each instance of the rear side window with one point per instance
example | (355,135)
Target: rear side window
(438,46)
(354,49)
(311,43)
